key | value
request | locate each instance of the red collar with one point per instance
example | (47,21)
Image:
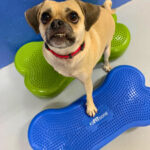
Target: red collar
(69,56)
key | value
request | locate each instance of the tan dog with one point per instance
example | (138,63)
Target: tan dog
(76,35)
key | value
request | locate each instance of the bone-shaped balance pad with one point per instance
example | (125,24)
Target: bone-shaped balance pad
(123,102)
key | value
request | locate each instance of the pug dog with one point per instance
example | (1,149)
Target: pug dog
(76,34)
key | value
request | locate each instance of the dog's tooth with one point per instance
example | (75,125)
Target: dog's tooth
(60,35)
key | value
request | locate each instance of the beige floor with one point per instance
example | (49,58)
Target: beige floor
(18,106)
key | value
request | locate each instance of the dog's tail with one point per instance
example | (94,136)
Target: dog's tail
(107,5)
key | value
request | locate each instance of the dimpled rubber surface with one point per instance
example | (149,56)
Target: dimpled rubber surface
(120,41)
(123,102)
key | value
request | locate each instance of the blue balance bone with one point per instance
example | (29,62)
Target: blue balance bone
(123,102)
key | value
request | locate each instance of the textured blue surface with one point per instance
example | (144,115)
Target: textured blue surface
(123,102)
(15,31)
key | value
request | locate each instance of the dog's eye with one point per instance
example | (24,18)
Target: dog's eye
(73,17)
(45,18)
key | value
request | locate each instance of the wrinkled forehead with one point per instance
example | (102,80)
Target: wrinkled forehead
(60,7)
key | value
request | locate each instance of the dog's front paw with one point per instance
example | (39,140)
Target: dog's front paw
(91,109)
(107,67)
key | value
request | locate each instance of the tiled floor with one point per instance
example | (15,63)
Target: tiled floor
(18,106)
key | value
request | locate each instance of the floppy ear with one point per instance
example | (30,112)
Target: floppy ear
(32,17)
(91,13)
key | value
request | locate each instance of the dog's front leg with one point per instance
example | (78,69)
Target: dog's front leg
(91,109)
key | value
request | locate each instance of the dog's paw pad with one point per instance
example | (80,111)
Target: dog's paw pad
(91,110)
(107,68)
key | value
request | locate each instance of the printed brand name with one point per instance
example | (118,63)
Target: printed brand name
(98,118)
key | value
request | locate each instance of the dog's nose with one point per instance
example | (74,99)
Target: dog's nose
(56,24)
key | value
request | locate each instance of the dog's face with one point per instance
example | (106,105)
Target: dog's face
(62,24)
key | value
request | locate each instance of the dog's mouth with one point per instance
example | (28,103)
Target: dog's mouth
(59,35)
(60,39)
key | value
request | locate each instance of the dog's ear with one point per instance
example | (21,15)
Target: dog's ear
(32,17)
(91,13)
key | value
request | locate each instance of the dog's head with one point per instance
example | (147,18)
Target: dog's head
(62,24)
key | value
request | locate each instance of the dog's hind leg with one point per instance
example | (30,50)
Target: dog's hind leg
(107,52)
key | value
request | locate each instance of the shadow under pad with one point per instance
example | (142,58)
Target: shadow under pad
(123,102)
